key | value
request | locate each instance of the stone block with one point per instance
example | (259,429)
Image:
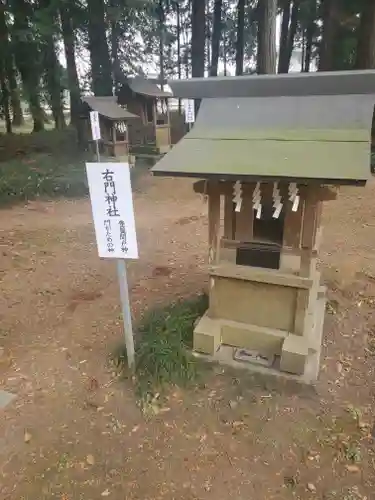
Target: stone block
(207,338)
(294,354)
(264,340)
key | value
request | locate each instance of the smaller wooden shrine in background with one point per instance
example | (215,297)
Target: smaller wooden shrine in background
(270,150)
(144,98)
(113,126)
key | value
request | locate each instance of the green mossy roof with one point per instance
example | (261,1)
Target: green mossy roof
(307,128)
(327,161)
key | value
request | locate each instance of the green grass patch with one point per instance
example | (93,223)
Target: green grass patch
(163,350)
(47,164)
(44,164)
(41,175)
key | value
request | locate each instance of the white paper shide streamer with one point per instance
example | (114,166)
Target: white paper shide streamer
(294,196)
(277,205)
(237,196)
(257,200)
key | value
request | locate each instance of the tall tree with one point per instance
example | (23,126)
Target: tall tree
(216,35)
(5,54)
(101,68)
(208,35)
(66,13)
(366,37)
(28,59)
(178,34)
(161,30)
(15,99)
(198,19)
(266,59)
(288,34)
(48,20)
(284,35)
(4,98)
(292,31)
(330,10)
(240,36)
(310,31)
(114,15)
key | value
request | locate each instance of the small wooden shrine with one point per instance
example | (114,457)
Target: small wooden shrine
(270,150)
(113,126)
(144,98)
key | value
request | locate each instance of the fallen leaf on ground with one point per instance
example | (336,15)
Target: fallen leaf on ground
(352,468)
(164,410)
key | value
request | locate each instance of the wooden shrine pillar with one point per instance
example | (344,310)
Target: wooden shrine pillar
(213,191)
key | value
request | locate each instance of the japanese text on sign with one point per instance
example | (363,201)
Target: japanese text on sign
(112,208)
(95,125)
(189,111)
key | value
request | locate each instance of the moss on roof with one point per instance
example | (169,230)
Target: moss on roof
(305,160)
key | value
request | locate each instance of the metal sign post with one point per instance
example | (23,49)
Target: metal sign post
(113,214)
(126,312)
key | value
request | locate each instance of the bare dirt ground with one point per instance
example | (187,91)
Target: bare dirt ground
(76,433)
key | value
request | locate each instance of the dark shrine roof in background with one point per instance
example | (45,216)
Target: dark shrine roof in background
(310,127)
(108,107)
(140,85)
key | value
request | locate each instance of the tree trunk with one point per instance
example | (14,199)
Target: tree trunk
(208,36)
(240,37)
(161,29)
(52,66)
(266,59)
(179,62)
(73,82)
(292,32)
(366,37)
(27,58)
(310,32)
(303,50)
(36,110)
(18,119)
(116,67)
(216,35)
(186,62)
(198,19)
(5,55)
(55,90)
(330,25)
(98,47)
(198,37)
(4,98)
(115,33)
(284,33)
(225,44)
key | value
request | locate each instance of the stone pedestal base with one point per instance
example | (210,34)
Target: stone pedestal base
(296,357)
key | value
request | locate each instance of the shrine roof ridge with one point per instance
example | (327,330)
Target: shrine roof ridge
(107,107)
(291,84)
